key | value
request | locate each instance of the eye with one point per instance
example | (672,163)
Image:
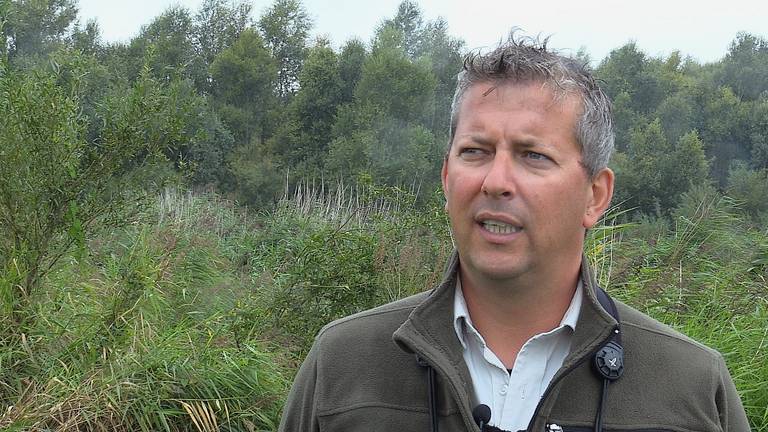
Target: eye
(536,156)
(471,153)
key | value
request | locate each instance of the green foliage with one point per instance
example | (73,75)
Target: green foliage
(157,328)
(400,87)
(256,178)
(188,319)
(325,257)
(444,54)
(351,61)
(750,189)
(302,139)
(210,146)
(653,174)
(56,183)
(285,27)
(726,129)
(628,70)
(403,31)
(138,335)
(217,25)
(706,278)
(166,47)
(758,123)
(35,28)
(745,67)
(243,78)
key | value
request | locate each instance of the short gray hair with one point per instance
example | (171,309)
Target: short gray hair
(525,60)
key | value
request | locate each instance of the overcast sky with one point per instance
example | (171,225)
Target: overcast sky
(658,27)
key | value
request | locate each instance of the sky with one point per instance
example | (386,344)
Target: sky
(657,26)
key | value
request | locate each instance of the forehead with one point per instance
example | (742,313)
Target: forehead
(499,101)
(533,95)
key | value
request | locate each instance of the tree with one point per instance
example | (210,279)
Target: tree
(285,27)
(257,178)
(217,25)
(402,88)
(745,68)
(166,46)
(724,124)
(653,174)
(404,30)
(56,183)
(758,136)
(243,78)
(353,138)
(36,27)
(677,115)
(405,155)
(305,133)
(750,188)
(444,55)
(625,119)
(88,39)
(351,61)
(629,70)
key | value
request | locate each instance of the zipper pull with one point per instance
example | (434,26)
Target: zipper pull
(551,427)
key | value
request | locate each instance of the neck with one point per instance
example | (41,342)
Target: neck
(508,313)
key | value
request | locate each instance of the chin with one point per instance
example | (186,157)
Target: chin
(496,269)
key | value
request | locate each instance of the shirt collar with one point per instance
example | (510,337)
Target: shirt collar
(462,320)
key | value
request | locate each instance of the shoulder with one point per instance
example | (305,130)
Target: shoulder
(358,354)
(377,323)
(659,357)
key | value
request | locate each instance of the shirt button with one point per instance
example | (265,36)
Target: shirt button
(503,390)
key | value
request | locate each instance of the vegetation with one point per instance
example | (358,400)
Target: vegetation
(183,212)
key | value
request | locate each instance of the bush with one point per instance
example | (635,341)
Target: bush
(322,257)
(58,184)
(138,335)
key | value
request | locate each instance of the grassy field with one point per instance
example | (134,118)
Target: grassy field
(195,315)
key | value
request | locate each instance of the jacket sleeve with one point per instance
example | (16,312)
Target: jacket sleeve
(732,415)
(300,410)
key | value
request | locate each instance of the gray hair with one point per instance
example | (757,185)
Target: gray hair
(525,60)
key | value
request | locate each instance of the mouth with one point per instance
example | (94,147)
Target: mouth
(499,227)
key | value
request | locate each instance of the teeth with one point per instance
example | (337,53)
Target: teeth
(498,227)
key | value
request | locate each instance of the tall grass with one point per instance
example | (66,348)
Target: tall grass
(138,335)
(195,317)
(327,255)
(707,278)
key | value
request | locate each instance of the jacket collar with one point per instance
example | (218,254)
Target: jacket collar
(428,332)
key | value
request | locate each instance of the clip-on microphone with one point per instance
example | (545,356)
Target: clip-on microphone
(482,415)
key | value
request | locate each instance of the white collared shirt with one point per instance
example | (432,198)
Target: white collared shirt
(513,397)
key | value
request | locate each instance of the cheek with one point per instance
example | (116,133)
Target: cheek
(558,207)
(462,187)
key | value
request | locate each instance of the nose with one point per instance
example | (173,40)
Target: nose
(499,181)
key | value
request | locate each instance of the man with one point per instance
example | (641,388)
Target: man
(518,327)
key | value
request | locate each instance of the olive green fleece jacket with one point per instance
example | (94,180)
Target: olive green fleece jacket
(362,374)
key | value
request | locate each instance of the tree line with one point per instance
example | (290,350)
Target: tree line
(252,106)
(262,105)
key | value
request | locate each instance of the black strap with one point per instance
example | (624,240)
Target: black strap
(432,385)
(609,360)
(608,304)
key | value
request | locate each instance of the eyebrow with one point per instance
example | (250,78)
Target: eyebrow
(480,139)
(524,143)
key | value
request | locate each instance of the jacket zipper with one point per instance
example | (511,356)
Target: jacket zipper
(553,383)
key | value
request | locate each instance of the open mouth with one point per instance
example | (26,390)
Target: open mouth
(498,227)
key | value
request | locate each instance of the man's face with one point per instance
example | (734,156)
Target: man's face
(518,198)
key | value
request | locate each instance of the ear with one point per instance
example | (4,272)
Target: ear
(600,194)
(443,178)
